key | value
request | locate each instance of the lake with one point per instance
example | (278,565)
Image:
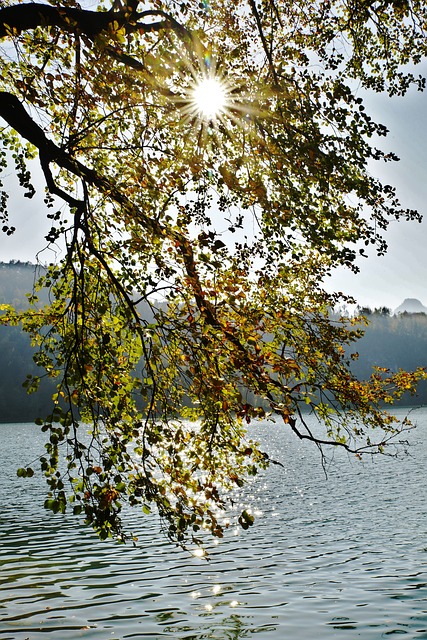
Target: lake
(329,558)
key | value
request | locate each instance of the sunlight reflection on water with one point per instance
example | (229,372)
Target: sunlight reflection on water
(342,557)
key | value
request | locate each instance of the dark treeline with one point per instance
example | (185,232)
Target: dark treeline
(392,341)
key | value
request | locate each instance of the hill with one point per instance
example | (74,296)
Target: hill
(411,305)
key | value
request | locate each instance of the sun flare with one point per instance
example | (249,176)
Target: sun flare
(209,98)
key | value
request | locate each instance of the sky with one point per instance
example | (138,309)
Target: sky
(384,281)
(402,273)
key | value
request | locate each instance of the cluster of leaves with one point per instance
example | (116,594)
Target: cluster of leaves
(189,299)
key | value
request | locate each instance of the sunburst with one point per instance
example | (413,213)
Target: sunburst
(209,98)
(212,101)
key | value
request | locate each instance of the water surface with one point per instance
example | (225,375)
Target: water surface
(330,558)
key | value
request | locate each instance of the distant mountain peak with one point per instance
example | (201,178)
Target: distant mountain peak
(411,305)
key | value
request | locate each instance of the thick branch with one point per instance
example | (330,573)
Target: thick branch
(22,17)
(15,115)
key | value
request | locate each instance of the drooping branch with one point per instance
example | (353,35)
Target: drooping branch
(14,113)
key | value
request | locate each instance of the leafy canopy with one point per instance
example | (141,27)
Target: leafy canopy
(197,230)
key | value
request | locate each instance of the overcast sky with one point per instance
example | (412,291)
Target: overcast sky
(382,281)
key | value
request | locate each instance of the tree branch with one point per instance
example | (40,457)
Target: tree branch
(264,41)
(22,17)
(13,112)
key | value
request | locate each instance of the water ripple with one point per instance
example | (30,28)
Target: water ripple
(334,558)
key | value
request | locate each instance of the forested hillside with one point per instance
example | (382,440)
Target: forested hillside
(16,281)
(395,342)
(398,341)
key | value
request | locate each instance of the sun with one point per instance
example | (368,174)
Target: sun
(209,98)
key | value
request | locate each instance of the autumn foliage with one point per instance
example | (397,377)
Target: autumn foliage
(189,299)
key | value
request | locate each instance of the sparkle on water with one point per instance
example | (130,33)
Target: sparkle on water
(210,97)
(320,563)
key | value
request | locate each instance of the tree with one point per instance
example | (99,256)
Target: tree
(212,164)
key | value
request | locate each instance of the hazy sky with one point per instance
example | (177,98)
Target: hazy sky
(402,273)
(381,281)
